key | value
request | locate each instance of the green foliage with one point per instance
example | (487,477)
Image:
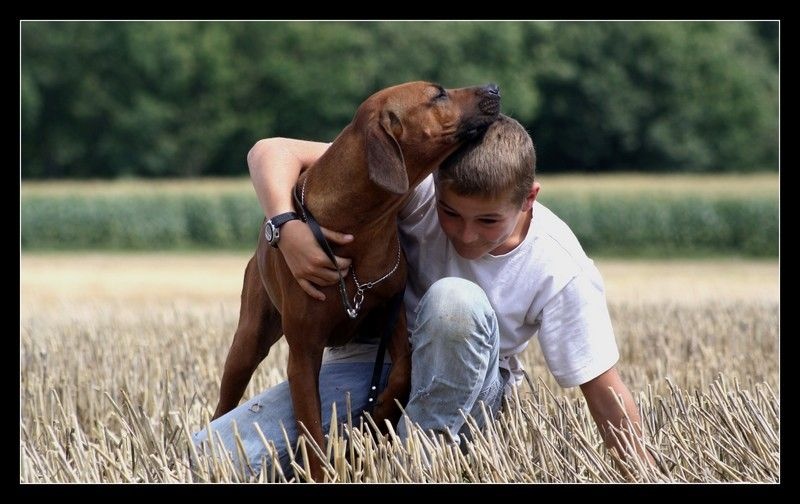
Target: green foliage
(603,223)
(157,99)
(140,222)
(663,96)
(753,225)
(676,225)
(242,217)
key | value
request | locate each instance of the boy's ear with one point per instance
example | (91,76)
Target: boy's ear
(530,199)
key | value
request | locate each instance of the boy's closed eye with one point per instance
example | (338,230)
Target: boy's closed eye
(487,221)
(447,211)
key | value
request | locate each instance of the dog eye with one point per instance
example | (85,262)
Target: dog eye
(442,93)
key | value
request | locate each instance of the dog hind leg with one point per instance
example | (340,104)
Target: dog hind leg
(259,328)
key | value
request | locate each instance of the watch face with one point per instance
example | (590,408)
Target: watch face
(269,232)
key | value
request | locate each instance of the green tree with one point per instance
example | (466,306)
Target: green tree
(658,96)
(109,99)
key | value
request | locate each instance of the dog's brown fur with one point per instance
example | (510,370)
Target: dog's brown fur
(398,136)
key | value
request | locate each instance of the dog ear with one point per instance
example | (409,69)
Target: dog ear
(385,163)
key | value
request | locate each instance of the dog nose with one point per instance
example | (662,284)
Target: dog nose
(489,99)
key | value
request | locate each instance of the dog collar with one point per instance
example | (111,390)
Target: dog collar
(351,309)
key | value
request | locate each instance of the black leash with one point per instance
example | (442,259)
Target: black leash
(305,216)
(395,305)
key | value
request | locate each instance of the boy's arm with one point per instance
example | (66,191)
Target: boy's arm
(275,164)
(605,408)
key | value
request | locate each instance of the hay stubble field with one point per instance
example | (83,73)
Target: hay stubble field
(120,356)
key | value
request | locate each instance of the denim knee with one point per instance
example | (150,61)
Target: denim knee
(457,309)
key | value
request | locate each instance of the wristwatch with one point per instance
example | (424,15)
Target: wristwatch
(272,227)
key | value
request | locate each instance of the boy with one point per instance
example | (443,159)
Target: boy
(489,268)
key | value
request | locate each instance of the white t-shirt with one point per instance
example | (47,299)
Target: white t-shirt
(546,286)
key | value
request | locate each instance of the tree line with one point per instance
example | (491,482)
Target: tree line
(181,99)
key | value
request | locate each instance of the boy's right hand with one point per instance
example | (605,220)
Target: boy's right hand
(306,259)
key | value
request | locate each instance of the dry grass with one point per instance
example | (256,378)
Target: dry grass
(759,184)
(120,359)
(51,277)
(689,281)
(734,185)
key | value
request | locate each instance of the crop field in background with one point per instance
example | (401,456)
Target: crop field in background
(755,184)
(121,354)
(614,214)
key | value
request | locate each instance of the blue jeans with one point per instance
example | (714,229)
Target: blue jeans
(454,366)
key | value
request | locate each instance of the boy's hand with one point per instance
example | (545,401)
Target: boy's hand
(306,259)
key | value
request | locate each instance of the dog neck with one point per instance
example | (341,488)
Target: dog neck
(339,193)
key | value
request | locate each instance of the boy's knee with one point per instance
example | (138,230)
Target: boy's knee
(458,308)
(452,294)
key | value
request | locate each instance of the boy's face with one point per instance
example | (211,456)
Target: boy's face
(477,226)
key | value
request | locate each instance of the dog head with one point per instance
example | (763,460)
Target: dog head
(411,128)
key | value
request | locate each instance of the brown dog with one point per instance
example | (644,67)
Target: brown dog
(398,136)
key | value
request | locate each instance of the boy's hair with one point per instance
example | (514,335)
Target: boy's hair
(501,163)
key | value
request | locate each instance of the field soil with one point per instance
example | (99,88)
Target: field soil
(217,277)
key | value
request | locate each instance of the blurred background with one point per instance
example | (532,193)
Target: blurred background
(158,118)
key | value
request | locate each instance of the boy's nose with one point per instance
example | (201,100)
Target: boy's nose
(468,235)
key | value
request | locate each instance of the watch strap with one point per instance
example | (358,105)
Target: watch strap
(281,219)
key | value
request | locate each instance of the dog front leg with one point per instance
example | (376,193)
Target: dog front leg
(303,373)
(399,383)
